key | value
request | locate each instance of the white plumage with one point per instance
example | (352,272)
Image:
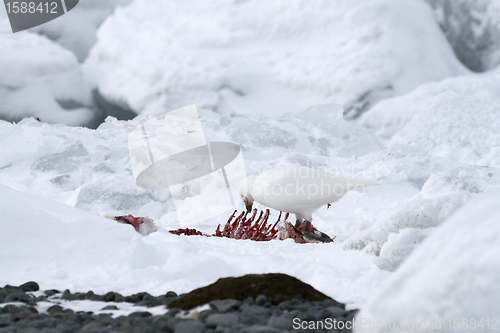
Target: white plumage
(297,190)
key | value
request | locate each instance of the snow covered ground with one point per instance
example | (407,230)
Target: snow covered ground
(263,75)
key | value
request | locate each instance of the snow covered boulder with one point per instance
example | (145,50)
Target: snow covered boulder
(77,30)
(455,118)
(40,79)
(394,236)
(267,58)
(454,274)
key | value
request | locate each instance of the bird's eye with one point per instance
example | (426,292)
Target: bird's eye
(141,222)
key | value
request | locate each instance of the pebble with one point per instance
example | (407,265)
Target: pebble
(250,316)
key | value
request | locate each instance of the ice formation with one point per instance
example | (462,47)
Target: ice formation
(249,57)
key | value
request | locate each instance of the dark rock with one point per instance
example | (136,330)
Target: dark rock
(10,309)
(140,314)
(5,320)
(41,298)
(225,305)
(20,297)
(123,321)
(113,297)
(222,320)
(110,307)
(330,302)
(68,296)
(54,309)
(51,292)
(188,326)
(277,288)
(30,330)
(249,301)
(203,315)
(261,300)
(283,322)
(171,294)
(337,312)
(135,298)
(173,312)
(91,296)
(262,329)
(255,315)
(150,301)
(23,314)
(29,286)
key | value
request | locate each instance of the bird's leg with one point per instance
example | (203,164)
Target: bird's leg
(307,225)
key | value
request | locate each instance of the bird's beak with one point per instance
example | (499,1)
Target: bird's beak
(248,204)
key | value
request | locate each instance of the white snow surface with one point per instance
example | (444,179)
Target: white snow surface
(57,245)
(454,118)
(250,57)
(455,273)
(41,79)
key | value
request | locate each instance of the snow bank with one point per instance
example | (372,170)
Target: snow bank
(454,274)
(393,237)
(90,169)
(76,31)
(267,58)
(63,247)
(473,29)
(468,103)
(41,79)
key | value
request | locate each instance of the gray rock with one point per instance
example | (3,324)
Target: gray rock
(188,326)
(54,309)
(255,315)
(261,300)
(260,329)
(140,314)
(110,307)
(51,292)
(113,297)
(171,294)
(337,312)
(222,320)
(330,302)
(20,297)
(10,308)
(29,286)
(29,330)
(68,296)
(123,321)
(225,305)
(203,315)
(283,322)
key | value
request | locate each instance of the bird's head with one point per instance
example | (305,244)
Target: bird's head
(245,189)
(143,225)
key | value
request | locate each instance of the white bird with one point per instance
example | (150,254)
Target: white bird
(297,190)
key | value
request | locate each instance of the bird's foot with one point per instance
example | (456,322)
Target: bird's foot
(309,231)
(318,236)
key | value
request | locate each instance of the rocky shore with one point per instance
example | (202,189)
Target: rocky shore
(21,310)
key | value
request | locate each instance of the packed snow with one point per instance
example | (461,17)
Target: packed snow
(265,76)
(77,32)
(453,274)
